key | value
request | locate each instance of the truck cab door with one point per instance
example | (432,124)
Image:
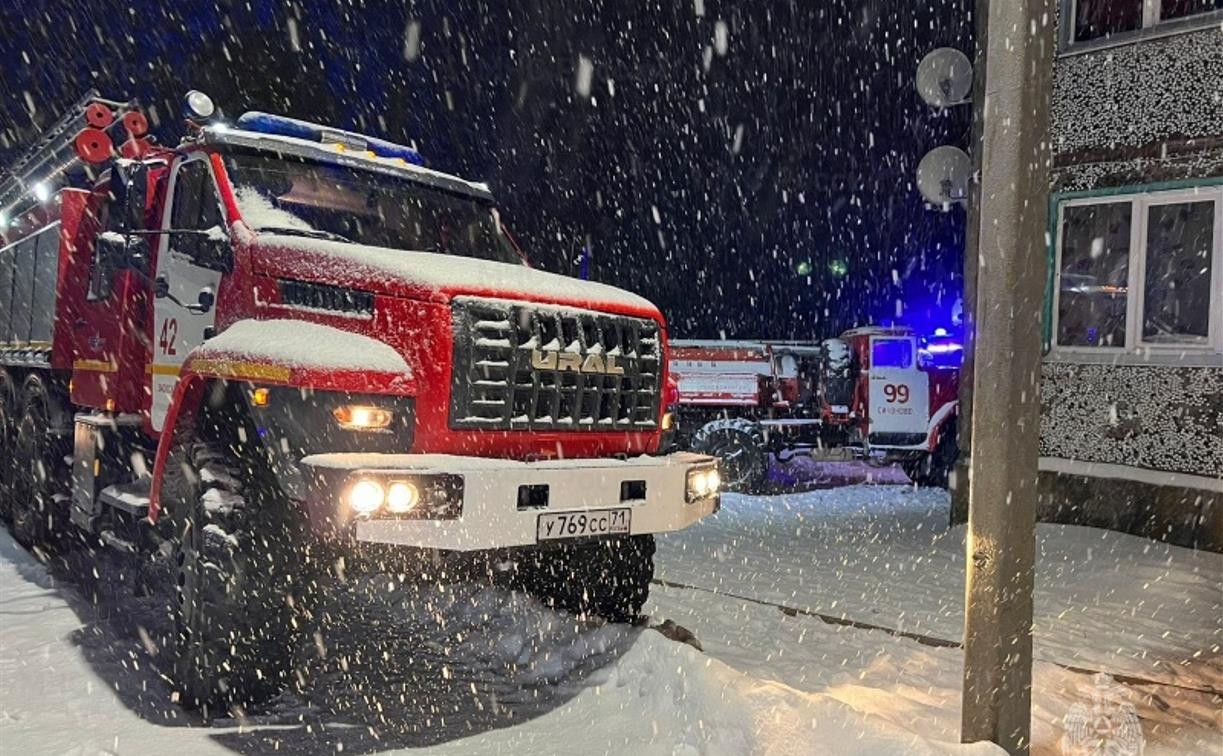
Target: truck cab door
(109,322)
(193,255)
(899,398)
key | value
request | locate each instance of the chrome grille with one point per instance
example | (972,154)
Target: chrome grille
(533,367)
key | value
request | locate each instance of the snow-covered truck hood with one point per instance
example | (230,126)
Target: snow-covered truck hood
(434,277)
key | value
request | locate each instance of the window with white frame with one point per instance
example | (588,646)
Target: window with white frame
(1140,271)
(1096,19)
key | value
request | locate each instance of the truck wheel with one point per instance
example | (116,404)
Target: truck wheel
(741,446)
(933,470)
(608,579)
(235,566)
(39,495)
(8,442)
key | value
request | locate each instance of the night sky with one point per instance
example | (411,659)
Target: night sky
(748,166)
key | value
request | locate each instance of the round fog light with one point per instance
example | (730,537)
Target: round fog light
(401,497)
(713,480)
(366,496)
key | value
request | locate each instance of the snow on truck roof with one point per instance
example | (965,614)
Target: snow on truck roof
(701,349)
(879,331)
(339,154)
(457,275)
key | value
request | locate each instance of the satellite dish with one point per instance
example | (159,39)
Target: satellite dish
(944,77)
(943,175)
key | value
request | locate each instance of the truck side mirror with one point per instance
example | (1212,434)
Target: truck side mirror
(116,251)
(130,187)
(122,244)
(138,254)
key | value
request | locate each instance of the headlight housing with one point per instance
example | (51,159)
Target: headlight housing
(367,495)
(390,494)
(297,422)
(703,483)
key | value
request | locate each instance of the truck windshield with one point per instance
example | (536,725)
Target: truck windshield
(284,195)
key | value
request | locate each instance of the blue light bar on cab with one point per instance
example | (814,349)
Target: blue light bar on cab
(266,123)
(940,352)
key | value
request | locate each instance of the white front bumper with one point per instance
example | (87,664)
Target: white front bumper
(490,516)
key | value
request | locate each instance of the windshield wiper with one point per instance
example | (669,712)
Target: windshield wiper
(313,233)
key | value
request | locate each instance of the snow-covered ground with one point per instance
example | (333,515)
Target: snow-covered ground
(885,556)
(466,669)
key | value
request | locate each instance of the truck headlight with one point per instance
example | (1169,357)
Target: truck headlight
(374,494)
(366,496)
(703,483)
(363,417)
(401,497)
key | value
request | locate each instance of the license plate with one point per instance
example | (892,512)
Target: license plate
(599,522)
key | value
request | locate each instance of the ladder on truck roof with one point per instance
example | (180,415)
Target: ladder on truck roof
(78,139)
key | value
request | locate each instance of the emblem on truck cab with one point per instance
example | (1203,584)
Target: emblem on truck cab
(575,363)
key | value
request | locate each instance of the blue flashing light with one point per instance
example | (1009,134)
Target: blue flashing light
(383,148)
(266,123)
(941,351)
(275,125)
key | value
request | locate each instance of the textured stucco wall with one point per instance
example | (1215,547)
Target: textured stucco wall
(1139,94)
(1133,114)
(1154,417)
(1142,112)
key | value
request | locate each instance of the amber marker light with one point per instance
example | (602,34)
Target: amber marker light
(363,418)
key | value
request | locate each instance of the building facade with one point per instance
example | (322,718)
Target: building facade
(1132,377)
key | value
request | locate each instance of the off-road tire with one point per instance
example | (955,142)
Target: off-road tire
(39,497)
(8,441)
(237,560)
(742,448)
(609,578)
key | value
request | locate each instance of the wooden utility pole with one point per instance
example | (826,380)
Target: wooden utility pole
(1009,262)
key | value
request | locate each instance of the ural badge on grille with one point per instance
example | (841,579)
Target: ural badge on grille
(575,363)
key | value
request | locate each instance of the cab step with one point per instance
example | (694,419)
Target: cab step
(119,543)
(131,498)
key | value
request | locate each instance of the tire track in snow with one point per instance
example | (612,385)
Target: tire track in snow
(927,640)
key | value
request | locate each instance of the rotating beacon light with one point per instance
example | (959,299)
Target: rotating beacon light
(199,107)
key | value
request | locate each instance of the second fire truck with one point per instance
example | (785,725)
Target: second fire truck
(886,395)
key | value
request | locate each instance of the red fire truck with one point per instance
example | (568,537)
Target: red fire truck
(882,394)
(278,342)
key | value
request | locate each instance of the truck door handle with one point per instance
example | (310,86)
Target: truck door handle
(161,290)
(206,300)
